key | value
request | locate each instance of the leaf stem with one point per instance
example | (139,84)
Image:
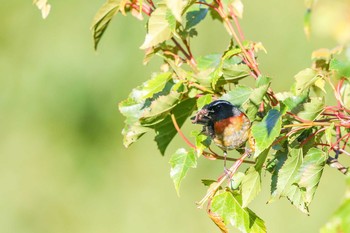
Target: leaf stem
(180,132)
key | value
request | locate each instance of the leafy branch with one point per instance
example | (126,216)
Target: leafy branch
(295,133)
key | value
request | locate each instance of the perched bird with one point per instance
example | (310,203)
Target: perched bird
(228,126)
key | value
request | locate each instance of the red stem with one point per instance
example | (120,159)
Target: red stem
(180,132)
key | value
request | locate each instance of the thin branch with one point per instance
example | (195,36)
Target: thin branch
(211,192)
(180,132)
(332,162)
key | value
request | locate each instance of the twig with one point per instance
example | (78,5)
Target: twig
(332,162)
(232,170)
(180,132)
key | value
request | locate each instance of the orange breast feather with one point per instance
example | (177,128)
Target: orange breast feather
(236,122)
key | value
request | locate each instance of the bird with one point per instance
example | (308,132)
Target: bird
(225,124)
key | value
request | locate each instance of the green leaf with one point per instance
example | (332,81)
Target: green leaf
(159,28)
(238,95)
(306,79)
(165,130)
(132,111)
(180,162)
(266,131)
(102,18)
(294,101)
(155,84)
(251,186)
(329,133)
(132,132)
(159,108)
(208,61)
(307,22)
(203,100)
(342,68)
(176,7)
(285,171)
(194,17)
(310,110)
(229,207)
(235,71)
(345,94)
(310,172)
(255,100)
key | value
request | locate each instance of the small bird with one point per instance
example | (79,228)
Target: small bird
(228,126)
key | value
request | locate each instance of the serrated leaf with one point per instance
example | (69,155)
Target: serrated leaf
(341,67)
(345,94)
(203,100)
(238,95)
(229,207)
(165,130)
(235,71)
(132,132)
(266,131)
(218,221)
(159,28)
(159,108)
(310,172)
(208,61)
(251,186)
(305,79)
(102,18)
(194,17)
(310,110)
(181,162)
(294,101)
(329,133)
(176,7)
(255,99)
(295,196)
(285,171)
(43,6)
(155,84)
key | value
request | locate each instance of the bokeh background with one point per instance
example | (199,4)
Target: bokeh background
(63,167)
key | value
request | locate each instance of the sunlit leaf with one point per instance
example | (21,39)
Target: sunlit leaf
(238,95)
(102,18)
(155,84)
(159,107)
(255,99)
(159,28)
(342,68)
(203,100)
(43,6)
(176,7)
(251,186)
(229,207)
(310,110)
(266,131)
(284,174)
(310,172)
(181,162)
(345,94)
(305,79)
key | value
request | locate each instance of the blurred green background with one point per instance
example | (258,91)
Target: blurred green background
(63,167)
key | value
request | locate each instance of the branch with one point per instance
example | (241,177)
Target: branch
(332,162)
